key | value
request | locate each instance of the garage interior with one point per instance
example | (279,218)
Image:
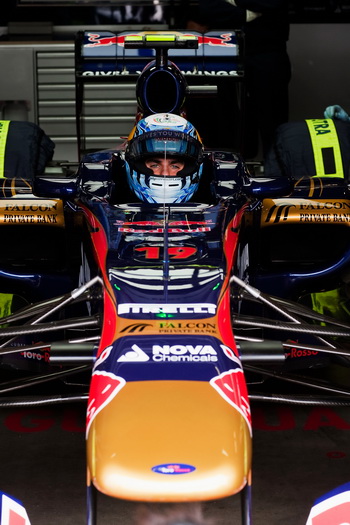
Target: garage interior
(299,452)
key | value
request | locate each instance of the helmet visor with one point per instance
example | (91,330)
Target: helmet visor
(165,142)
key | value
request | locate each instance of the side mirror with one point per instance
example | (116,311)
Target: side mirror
(56,182)
(264,188)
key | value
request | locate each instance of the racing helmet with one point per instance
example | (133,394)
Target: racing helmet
(164,159)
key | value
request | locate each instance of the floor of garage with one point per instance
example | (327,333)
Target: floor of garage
(299,454)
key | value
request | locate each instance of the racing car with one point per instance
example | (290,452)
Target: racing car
(171,312)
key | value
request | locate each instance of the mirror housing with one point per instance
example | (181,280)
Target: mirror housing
(264,188)
(56,182)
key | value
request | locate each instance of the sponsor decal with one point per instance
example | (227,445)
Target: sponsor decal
(135,328)
(96,40)
(278,212)
(170,327)
(160,223)
(108,73)
(157,252)
(297,352)
(104,387)
(176,353)
(330,218)
(166,119)
(37,356)
(332,509)
(12,511)
(162,230)
(230,354)
(135,355)
(36,420)
(307,211)
(38,206)
(180,353)
(158,226)
(173,468)
(25,211)
(232,387)
(123,72)
(29,219)
(223,40)
(326,205)
(284,418)
(41,354)
(103,356)
(149,308)
(220,73)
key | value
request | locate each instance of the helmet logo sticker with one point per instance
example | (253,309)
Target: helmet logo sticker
(166,119)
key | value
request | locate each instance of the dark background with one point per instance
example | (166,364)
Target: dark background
(309,11)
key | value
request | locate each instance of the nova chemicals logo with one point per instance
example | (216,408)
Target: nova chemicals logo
(135,355)
(176,353)
(182,353)
(173,469)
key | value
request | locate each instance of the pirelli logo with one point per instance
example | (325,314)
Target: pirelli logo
(279,211)
(32,211)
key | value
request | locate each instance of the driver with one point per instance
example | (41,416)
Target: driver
(168,167)
(164,159)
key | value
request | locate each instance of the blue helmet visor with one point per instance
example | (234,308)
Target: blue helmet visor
(165,142)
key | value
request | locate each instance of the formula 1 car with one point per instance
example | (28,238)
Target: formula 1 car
(171,315)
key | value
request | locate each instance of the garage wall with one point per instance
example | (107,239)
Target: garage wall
(320,56)
(41,78)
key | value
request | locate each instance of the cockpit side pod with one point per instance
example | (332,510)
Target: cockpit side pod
(318,217)
(168,420)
